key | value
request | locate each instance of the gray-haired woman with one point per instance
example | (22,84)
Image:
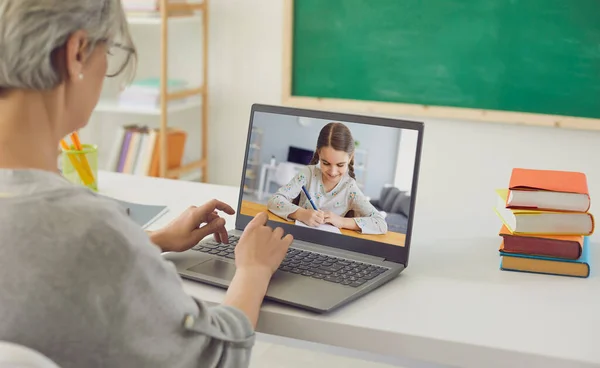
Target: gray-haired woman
(80,282)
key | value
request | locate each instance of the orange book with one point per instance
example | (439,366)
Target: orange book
(548,190)
(175,147)
(558,246)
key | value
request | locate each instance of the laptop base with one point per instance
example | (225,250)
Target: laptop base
(305,292)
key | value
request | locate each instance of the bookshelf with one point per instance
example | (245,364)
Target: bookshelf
(168,10)
(192,98)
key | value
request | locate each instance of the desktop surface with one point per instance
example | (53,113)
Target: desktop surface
(452,305)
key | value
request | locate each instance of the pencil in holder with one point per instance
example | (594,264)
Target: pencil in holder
(81,166)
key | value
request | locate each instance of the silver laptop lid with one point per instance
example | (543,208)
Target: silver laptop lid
(357,174)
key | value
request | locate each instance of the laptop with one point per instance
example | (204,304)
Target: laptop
(326,266)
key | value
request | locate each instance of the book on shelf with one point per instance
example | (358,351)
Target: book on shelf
(146,92)
(136,150)
(548,190)
(579,267)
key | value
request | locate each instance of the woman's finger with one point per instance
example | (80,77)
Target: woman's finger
(278,233)
(218,235)
(217,205)
(210,228)
(223,234)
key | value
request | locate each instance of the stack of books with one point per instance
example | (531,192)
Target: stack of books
(546,223)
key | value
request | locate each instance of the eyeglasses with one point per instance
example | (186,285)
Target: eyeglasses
(118,58)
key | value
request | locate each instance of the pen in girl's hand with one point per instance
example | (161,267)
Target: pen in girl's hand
(314,206)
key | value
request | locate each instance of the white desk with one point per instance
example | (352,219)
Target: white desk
(451,306)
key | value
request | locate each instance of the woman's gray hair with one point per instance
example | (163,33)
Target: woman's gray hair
(31,30)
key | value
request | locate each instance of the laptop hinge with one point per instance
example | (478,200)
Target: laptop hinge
(335,251)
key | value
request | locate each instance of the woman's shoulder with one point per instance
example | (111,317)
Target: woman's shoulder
(108,214)
(82,202)
(88,214)
(74,219)
(107,226)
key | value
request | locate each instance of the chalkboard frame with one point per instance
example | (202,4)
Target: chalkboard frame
(412,110)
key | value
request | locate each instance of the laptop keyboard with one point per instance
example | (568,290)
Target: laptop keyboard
(306,263)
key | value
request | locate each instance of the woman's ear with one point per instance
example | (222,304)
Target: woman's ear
(76,54)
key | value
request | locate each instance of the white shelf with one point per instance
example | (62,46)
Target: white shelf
(113,106)
(191,176)
(155,19)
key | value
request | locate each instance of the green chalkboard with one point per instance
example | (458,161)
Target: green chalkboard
(537,56)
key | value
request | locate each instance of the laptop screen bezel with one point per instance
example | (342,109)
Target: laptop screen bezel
(389,252)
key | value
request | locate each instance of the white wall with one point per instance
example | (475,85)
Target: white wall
(245,67)
(462,161)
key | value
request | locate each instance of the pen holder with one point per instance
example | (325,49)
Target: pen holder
(81,167)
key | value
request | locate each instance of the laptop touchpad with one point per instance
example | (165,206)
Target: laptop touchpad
(215,268)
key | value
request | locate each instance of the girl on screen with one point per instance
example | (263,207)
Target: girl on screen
(326,191)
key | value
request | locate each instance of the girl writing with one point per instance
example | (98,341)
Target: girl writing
(330,182)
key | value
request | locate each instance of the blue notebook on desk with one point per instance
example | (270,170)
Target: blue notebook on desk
(553,266)
(143,214)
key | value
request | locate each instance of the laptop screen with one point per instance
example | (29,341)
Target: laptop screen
(338,180)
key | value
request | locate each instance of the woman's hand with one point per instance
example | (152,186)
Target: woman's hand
(257,255)
(311,217)
(193,225)
(261,249)
(335,220)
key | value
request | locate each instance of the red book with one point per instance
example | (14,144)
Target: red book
(562,246)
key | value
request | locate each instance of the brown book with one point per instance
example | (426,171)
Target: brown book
(560,246)
(175,147)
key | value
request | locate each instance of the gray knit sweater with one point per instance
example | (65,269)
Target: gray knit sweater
(82,284)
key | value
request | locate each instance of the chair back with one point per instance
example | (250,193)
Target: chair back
(18,356)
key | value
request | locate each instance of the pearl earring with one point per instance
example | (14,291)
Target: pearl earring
(80,76)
